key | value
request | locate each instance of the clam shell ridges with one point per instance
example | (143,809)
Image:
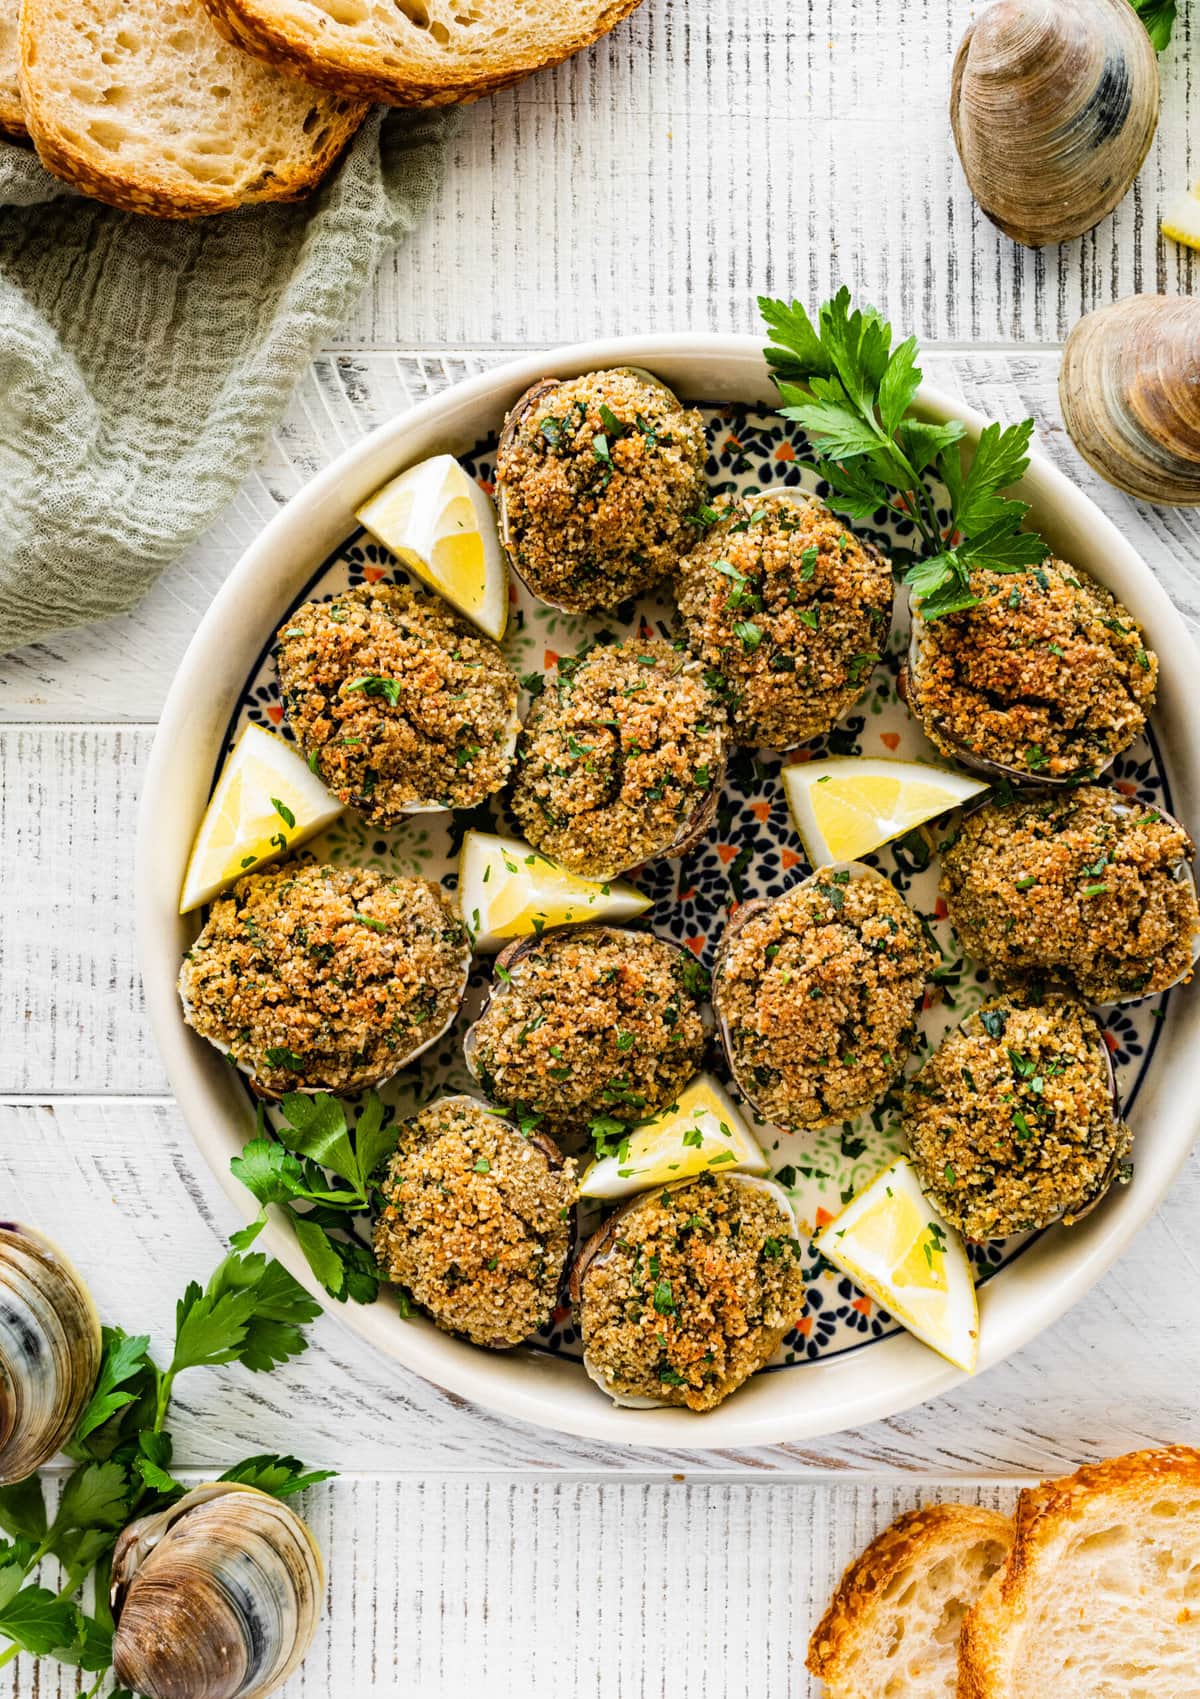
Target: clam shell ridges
(49,1351)
(1054,104)
(1130,393)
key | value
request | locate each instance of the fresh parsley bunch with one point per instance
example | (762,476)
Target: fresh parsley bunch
(251,1312)
(842,380)
(289,1170)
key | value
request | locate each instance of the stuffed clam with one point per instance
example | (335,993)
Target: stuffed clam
(1045,680)
(49,1350)
(1084,886)
(216,1597)
(590,1021)
(598,480)
(1054,104)
(319,978)
(1014,1122)
(817,993)
(688,1290)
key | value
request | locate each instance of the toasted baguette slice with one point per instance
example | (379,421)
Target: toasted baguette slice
(144,105)
(1101,1596)
(12,122)
(416,52)
(892,1629)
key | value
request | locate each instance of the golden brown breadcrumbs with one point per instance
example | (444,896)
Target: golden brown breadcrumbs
(689,1289)
(596,478)
(476,1221)
(817,994)
(791,610)
(1081,884)
(621,758)
(591,1022)
(397,701)
(1011,1121)
(1049,675)
(325,978)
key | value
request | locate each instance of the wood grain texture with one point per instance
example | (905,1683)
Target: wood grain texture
(640,1589)
(122,669)
(119,1184)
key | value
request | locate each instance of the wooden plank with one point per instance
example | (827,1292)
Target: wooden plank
(121,670)
(615,1590)
(702,154)
(120,1185)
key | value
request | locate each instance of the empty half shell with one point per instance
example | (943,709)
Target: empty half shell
(216,1597)
(1130,393)
(49,1350)
(1054,104)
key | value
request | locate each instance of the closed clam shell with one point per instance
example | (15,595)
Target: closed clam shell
(1054,104)
(216,1597)
(1130,393)
(49,1350)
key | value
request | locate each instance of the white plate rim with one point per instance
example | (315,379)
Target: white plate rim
(789,1405)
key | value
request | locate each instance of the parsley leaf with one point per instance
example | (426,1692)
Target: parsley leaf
(124,1356)
(1159,19)
(279,1476)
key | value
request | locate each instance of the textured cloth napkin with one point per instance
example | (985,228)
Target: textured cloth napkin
(143,363)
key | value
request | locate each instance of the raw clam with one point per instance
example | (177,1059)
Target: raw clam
(877,1050)
(514,424)
(1130,393)
(216,1597)
(1054,104)
(609,1238)
(49,1350)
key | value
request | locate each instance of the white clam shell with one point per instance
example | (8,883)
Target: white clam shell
(217,1597)
(49,1350)
(1054,104)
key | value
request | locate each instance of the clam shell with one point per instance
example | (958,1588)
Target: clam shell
(1131,399)
(514,420)
(49,1350)
(1054,104)
(601,1243)
(216,1597)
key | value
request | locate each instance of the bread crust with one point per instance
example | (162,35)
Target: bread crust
(139,190)
(359,73)
(12,120)
(989,1642)
(921,1535)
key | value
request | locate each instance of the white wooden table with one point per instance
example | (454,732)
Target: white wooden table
(708,151)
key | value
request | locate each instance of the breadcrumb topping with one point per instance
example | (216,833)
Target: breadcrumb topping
(397,701)
(790,610)
(596,478)
(476,1222)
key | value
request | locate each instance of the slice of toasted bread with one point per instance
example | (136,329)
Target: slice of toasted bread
(891,1631)
(1101,1596)
(144,105)
(416,52)
(12,122)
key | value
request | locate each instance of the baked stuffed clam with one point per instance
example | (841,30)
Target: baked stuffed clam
(598,480)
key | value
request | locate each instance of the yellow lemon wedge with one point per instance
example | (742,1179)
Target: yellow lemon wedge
(845,807)
(266,802)
(700,1132)
(894,1245)
(507,890)
(1181,217)
(437,521)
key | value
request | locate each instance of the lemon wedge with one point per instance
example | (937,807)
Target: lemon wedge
(266,802)
(507,890)
(438,522)
(1181,217)
(699,1132)
(850,805)
(894,1245)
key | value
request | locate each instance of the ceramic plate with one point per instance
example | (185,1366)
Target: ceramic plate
(845,1361)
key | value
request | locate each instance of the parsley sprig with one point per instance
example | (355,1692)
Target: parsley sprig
(252,1312)
(843,381)
(1159,19)
(290,1171)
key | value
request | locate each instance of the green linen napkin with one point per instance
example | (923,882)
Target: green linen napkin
(143,363)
